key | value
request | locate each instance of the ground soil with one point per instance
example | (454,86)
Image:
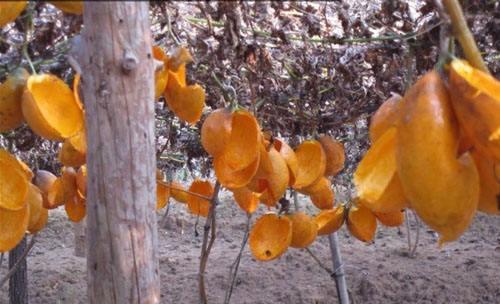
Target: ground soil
(466,271)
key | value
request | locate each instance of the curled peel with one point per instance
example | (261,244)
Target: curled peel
(377,168)
(385,117)
(475,97)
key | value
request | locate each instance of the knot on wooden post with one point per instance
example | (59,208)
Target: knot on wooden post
(129,62)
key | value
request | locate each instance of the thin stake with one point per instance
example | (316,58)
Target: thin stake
(417,222)
(233,270)
(339,273)
(408,230)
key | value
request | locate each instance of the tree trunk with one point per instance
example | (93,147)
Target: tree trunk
(118,77)
(18,282)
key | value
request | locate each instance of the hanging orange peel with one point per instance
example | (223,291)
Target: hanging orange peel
(247,200)
(233,179)
(304,230)
(335,155)
(186,101)
(50,109)
(270,237)
(35,201)
(196,204)
(273,174)
(74,150)
(76,208)
(81,180)
(233,139)
(475,97)
(329,221)
(289,155)
(392,199)
(11,92)
(9,10)
(442,189)
(63,189)
(242,148)
(14,182)
(312,163)
(44,181)
(321,193)
(386,116)
(215,131)
(161,75)
(377,168)
(391,219)
(489,177)
(162,191)
(361,223)
(13,226)
(177,191)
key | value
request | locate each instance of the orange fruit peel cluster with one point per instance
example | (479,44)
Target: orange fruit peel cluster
(436,151)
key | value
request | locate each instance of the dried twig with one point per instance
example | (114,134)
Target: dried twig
(464,35)
(169,26)
(163,221)
(160,153)
(264,34)
(233,270)
(417,222)
(317,260)
(186,191)
(412,248)
(408,230)
(21,258)
(209,228)
(296,201)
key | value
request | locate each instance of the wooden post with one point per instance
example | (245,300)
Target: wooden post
(118,91)
(18,282)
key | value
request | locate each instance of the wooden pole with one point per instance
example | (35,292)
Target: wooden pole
(18,282)
(118,92)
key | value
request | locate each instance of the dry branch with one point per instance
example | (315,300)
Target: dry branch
(208,228)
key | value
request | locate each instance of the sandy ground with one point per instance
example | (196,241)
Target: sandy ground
(467,271)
